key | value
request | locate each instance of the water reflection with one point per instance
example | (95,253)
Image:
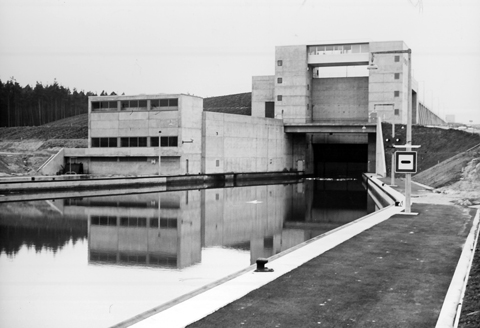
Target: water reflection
(169,229)
(161,239)
(38,225)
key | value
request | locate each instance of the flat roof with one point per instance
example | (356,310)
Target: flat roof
(141,96)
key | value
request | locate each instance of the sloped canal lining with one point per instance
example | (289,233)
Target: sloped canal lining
(99,261)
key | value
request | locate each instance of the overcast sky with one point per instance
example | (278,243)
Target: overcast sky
(214,47)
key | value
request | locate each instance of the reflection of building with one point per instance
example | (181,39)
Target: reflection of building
(148,229)
(170,229)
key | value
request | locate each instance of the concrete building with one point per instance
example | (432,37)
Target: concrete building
(303,118)
(300,92)
(329,101)
(128,134)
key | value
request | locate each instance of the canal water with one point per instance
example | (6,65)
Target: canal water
(97,261)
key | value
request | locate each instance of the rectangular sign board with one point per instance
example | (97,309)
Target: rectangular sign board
(406,162)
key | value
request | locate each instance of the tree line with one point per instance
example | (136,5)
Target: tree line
(27,106)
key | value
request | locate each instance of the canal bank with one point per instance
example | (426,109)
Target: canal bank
(390,270)
(38,184)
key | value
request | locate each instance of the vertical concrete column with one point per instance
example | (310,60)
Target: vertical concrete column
(372,153)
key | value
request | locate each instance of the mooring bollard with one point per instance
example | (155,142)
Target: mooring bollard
(261,265)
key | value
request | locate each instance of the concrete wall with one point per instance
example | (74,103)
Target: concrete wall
(427,117)
(262,91)
(236,143)
(295,86)
(190,135)
(53,164)
(340,99)
(382,83)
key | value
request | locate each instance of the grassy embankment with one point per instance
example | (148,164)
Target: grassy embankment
(24,149)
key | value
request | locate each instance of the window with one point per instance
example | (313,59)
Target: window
(153,141)
(103,220)
(133,222)
(168,102)
(168,223)
(133,159)
(279,80)
(164,104)
(134,104)
(142,104)
(279,62)
(95,142)
(217,162)
(397,59)
(154,104)
(133,142)
(169,141)
(104,142)
(396,111)
(104,105)
(153,223)
(396,93)
(397,76)
(279,97)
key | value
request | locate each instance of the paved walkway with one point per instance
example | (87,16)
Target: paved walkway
(394,274)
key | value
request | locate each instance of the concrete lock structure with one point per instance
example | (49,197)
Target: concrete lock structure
(302,119)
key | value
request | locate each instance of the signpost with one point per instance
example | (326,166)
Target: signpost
(406,162)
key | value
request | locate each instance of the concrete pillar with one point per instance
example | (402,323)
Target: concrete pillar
(372,152)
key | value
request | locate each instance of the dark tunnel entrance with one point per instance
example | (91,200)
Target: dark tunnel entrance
(340,160)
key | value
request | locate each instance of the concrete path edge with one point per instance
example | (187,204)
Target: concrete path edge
(452,305)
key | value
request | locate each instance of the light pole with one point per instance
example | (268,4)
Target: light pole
(408,143)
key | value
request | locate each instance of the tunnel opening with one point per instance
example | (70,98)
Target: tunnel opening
(340,160)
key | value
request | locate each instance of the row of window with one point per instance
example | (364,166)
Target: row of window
(153,104)
(169,141)
(110,203)
(105,220)
(139,259)
(338,49)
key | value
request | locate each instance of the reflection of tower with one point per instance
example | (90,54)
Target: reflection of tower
(146,229)
(324,205)
(248,218)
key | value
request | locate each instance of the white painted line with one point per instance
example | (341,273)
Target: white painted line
(450,312)
(201,305)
